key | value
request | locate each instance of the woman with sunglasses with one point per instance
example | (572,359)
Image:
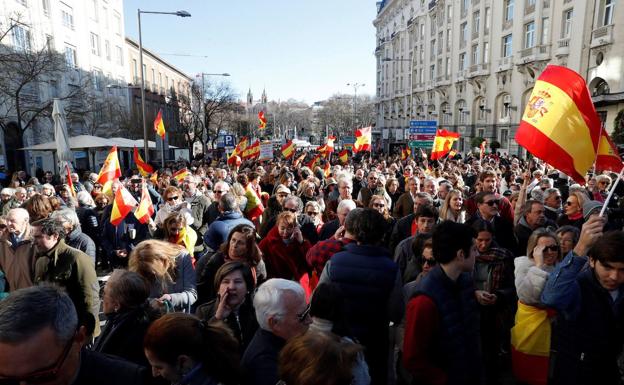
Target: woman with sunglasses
(531,273)
(174,202)
(240,246)
(235,285)
(573,210)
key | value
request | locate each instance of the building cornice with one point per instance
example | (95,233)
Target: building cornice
(160,60)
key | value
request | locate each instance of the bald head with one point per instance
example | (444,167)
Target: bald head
(17,220)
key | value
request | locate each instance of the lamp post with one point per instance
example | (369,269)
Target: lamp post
(355,88)
(145,141)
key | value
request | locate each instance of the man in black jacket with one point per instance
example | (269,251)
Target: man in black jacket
(41,340)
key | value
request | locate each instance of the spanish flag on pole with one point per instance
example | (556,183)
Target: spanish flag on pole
(329,146)
(123,203)
(299,159)
(442,143)
(262,120)
(181,174)
(288,149)
(482,149)
(109,171)
(144,168)
(159,125)
(608,157)
(146,209)
(70,183)
(363,139)
(560,124)
(344,156)
(313,162)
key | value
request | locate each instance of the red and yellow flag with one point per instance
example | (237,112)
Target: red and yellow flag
(482,149)
(442,143)
(262,120)
(154,178)
(146,209)
(70,182)
(288,149)
(240,147)
(181,174)
(313,162)
(159,125)
(363,139)
(123,203)
(144,168)
(327,169)
(252,151)
(329,146)
(299,159)
(344,156)
(452,154)
(560,124)
(109,171)
(608,157)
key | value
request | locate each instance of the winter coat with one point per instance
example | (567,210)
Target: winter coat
(182,289)
(284,260)
(530,280)
(18,264)
(220,229)
(81,241)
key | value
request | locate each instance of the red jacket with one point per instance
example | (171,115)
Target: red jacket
(284,260)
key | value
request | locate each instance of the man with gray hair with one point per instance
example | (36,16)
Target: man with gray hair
(220,188)
(200,205)
(17,251)
(230,217)
(68,268)
(552,204)
(75,237)
(48,190)
(330,228)
(282,314)
(8,200)
(41,342)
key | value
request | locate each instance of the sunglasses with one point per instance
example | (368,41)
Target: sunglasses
(291,210)
(219,192)
(492,202)
(569,203)
(429,261)
(304,314)
(312,213)
(551,248)
(2,227)
(45,375)
(174,198)
(379,205)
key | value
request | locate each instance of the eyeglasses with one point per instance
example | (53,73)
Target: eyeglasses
(554,248)
(569,203)
(379,205)
(304,314)
(291,210)
(312,213)
(429,261)
(492,202)
(45,375)
(174,198)
(219,192)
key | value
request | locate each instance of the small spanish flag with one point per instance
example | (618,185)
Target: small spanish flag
(363,139)
(144,168)
(299,159)
(482,149)
(181,174)
(313,162)
(70,183)
(344,156)
(159,125)
(263,122)
(608,157)
(109,171)
(146,209)
(442,143)
(329,146)
(288,149)
(560,124)
(452,154)
(403,153)
(123,203)
(154,178)
(327,169)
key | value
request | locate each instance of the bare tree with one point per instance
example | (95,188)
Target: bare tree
(218,98)
(105,116)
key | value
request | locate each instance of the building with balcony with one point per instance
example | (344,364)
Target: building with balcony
(90,37)
(471,64)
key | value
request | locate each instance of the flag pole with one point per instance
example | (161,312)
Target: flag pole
(162,147)
(613,186)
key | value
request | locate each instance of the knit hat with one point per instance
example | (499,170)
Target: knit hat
(591,207)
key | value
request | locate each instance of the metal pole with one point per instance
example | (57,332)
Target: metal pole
(145,141)
(162,147)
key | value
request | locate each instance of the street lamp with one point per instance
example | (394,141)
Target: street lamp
(145,141)
(355,88)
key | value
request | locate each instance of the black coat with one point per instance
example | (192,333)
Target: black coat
(259,363)
(101,369)
(243,327)
(329,229)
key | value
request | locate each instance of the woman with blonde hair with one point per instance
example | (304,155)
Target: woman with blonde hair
(453,207)
(573,210)
(174,202)
(168,269)
(176,230)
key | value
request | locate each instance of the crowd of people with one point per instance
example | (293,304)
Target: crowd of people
(376,271)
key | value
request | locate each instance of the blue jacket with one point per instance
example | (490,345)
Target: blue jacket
(588,332)
(220,229)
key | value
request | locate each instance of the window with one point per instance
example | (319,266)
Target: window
(68,17)
(529,35)
(507,46)
(118,55)
(504,137)
(70,56)
(107,50)
(21,38)
(440,68)
(421,54)
(117,24)
(476,18)
(464,7)
(545,30)
(433,48)
(440,41)
(448,66)
(567,23)
(432,72)
(486,29)
(607,13)
(463,33)
(475,54)
(93,10)
(95,44)
(23,2)
(98,79)
(433,25)
(105,16)
(530,3)
(49,43)
(449,13)
(136,70)
(46,7)
(486,52)
(508,10)
(462,61)
(448,40)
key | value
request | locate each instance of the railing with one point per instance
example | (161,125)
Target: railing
(564,43)
(473,68)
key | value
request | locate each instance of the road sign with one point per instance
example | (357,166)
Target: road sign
(347,140)
(225,141)
(423,124)
(421,144)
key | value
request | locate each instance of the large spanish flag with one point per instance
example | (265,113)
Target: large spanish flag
(123,203)
(240,147)
(109,171)
(159,125)
(363,139)
(146,209)
(608,157)
(252,151)
(144,168)
(288,149)
(560,124)
(442,143)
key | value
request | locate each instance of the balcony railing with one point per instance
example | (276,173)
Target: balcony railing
(563,46)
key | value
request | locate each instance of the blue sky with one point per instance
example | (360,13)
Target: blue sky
(302,49)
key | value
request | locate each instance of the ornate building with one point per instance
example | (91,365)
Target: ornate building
(471,64)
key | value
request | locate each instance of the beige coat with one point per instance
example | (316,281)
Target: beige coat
(18,264)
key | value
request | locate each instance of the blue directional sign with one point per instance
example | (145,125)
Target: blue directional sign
(422,133)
